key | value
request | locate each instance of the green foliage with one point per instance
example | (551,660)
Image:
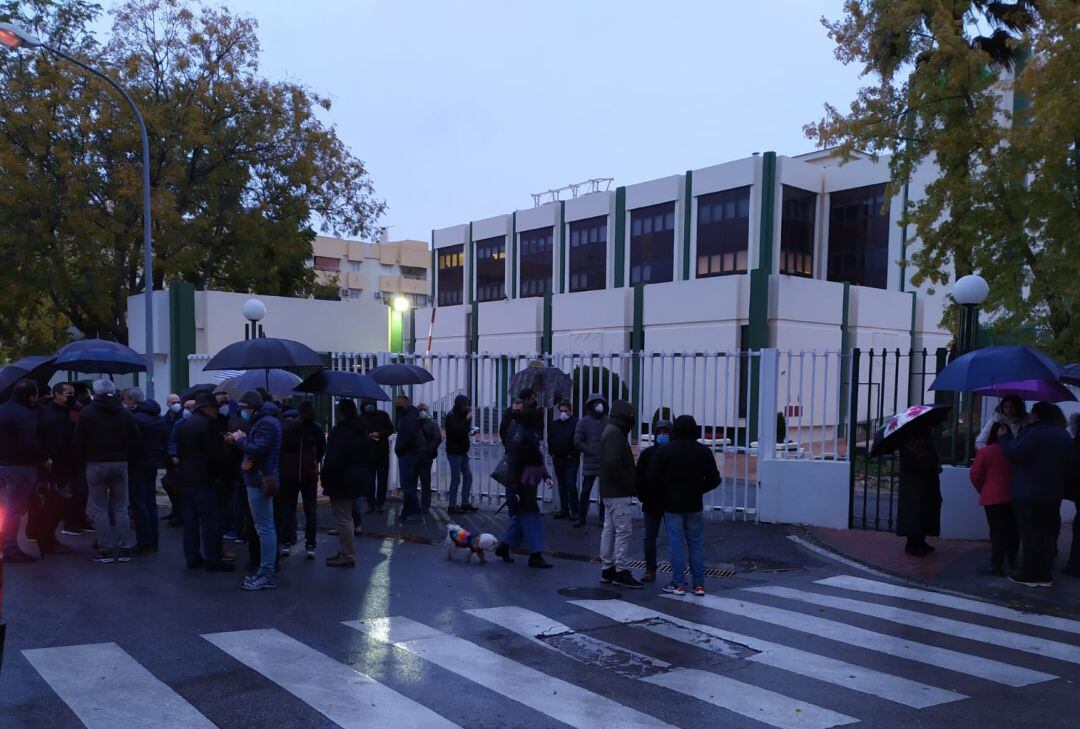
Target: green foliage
(1006,201)
(242,168)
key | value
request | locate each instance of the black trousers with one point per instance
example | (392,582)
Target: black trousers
(202,525)
(1074,550)
(285,510)
(1039,522)
(382,479)
(423,475)
(1004,533)
(75,506)
(586,493)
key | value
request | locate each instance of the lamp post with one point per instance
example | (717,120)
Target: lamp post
(253,310)
(970,292)
(15,38)
(399,310)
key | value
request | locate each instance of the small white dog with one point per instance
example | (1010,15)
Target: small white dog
(458,538)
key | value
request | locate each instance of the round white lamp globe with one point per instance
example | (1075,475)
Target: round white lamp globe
(401,304)
(971,290)
(254,310)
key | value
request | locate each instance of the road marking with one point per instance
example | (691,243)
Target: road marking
(345,696)
(861,584)
(804,663)
(829,554)
(552,696)
(107,688)
(956,628)
(727,693)
(977,666)
(742,698)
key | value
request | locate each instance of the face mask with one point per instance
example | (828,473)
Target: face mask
(369,408)
(175,407)
(245,415)
(69,400)
(425,415)
(663,438)
(598,408)
(564,416)
(223,410)
(187,413)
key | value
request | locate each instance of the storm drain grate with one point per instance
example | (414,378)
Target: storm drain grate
(665,567)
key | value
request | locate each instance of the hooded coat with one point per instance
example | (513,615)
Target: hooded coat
(918,509)
(682,470)
(1042,458)
(458,425)
(378,422)
(106,432)
(590,428)
(618,476)
(154,443)
(202,450)
(346,472)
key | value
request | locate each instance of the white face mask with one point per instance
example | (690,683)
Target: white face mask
(564,416)
(599,407)
(175,407)
(187,413)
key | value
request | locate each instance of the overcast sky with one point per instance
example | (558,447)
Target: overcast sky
(463,108)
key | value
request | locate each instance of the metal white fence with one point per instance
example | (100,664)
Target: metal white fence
(720,389)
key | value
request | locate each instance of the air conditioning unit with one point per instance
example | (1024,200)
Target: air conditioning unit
(378,295)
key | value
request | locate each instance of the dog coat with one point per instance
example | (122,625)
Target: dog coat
(461,538)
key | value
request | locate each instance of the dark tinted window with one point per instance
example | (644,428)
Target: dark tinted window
(723,232)
(588,254)
(652,244)
(491,269)
(797,232)
(859,237)
(451,275)
(534,250)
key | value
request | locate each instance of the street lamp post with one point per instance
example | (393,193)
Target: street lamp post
(253,310)
(970,292)
(14,37)
(400,308)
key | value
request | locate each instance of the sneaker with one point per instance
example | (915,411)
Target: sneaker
(229,535)
(649,576)
(285,550)
(469,508)
(1028,582)
(260,582)
(239,540)
(71,532)
(537,561)
(607,575)
(310,552)
(454,510)
(102,557)
(699,590)
(673,589)
(625,579)
(339,561)
(126,555)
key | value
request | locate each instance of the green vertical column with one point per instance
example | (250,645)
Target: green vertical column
(474,333)
(688,200)
(181,332)
(620,236)
(397,331)
(911,351)
(545,341)
(562,247)
(758,330)
(637,347)
(513,256)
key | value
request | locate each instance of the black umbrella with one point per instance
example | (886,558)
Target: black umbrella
(549,383)
(889,436)
(101,356)
(263,353)
(38,367)
(84,344)
(1071,375)
(277,382)
(191,392)
(343,384)
(401,374)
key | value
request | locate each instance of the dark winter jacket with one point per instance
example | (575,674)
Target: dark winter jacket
(648,493)
(618,476)
(560,438)
(523,438)
(153,435)
(378,422)
(457,424)
(302,447)
(263,445)
(204,456)
(106,432)
(19,442)
(587,435)
(430,438)
(56,429)
(1042,458)
(409,440)
(346,471)
(918,504)
(682,470)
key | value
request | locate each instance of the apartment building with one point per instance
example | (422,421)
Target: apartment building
(374,271)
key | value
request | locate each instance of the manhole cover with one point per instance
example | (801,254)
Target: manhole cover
(590,593)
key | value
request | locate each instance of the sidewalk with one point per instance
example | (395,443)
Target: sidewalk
(953,567)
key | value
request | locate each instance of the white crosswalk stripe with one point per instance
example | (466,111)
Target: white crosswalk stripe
(560,700)
(343,695)
(927,597)
(107,688)
(829,670)
(933,623)
(971,665)
(739,697)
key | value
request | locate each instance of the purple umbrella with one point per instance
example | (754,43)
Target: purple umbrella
(1048,390)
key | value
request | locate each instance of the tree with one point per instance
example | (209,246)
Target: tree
(1006,198)
(242,168)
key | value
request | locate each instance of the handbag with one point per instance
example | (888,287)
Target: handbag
(501,472)
(269,484)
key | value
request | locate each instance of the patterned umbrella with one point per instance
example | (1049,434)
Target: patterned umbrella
(549,383)
(889,437)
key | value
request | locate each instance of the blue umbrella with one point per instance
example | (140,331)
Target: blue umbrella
(252,354)
(1071,375)
(37,367)
(99,355)
(343,384)
(991,366)
(84,344)
(401,374)
(274,381)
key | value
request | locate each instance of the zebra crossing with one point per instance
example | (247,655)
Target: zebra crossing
(814,656)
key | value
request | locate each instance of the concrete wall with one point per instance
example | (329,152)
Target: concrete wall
(804,492)
(449,332)
(701,315)
(511,327)
(961,515)
(137,339)
(592,321)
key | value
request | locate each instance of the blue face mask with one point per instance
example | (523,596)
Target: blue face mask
(662,438)
(245,415)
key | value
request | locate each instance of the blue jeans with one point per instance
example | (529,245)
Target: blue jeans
(686,530)
(652,531)
(524,522)
(407,482)
(201,518)
(262,513)
(143,482)
(566,471)
(460,470)
(18,482)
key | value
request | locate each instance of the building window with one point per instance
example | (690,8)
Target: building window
(414,273)
(535,265)
(859,237)
(354,266)
(588,254)
(325,263)
(797,232)
(451,275)
(652,244)
(354,295)
(491,269)
(723,232)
